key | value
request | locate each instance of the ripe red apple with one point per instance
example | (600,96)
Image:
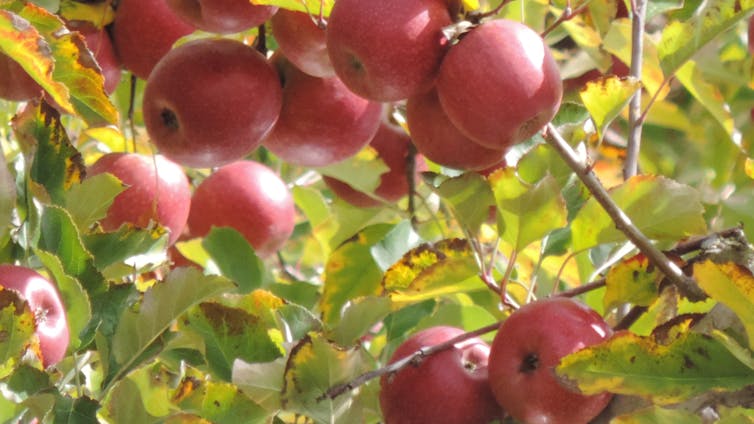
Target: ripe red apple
(302,42)
(99,43)
(449,387)
(321,121)
(387,50)
(500,84)
(210,102)
(751,34)
(529,344)
(143,32)
(440,141)
(15,84)
(44,300)
(221,16)
(158,191)
(248,197)
(392,146)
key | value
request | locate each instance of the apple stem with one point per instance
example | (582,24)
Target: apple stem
(567,15)
(492,12)
(411,181)
(638,17)
(413,359)
(130,113)
(260,44)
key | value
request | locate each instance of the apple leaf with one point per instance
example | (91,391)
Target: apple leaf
(540,162)
(732,285)
(469,198)
(75,410)
(433,269)
(351,272)
(526,213)
(7,198)
(143,396)
(17,324)
(362,171)
(114,248)
(605,98)
(235,258)
(681,40)
(634,280)
(314,365)
(162,304)
(661,208)
(656,414)
(629,364)
(358,318)
(708,96)
(218,402)
(238,331)
(395,244)
(313,7)
(56,165)
(89,201)
(262,381)
(99,14)
(470,5)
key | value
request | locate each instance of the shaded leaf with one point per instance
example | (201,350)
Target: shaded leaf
(235,258)
(109,249)
(628,364)
(541,161)
(81,410)
(143,397)
(655,414)
(605,98)
(732,285)
(89,201)
(469,198)
(661,208)
(358,318)
(363,171)
(16,330)
(310,6)
(633,280)
(217,402)
(262,381)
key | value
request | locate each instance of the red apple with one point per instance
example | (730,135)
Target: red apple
(248,197)
(302,42)
(529,344)
(321,121)
(221,16)
(15,84)
(500,84)
(751,34)
(449,387)
(440,141)
(143,32)
(99,43)
(44,300)
(158,191)
(392,146)
(210,102)
(387,50)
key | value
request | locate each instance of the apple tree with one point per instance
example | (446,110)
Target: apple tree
(354,211)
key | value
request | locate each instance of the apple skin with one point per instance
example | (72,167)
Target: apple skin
(449,387)
(248,197)
(44,300)
(143,32)
(500,84)
(392,145)
(387,50)
(321,121)
(221,16)
(528,345)
(750,31)
(440,141)
(15,83)
(210,102)
(163,196)
(302,42)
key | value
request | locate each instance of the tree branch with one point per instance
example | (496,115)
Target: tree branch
(639,13)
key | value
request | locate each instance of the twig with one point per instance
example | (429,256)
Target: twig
(630,318)
(622,222)
(639,12)
(414,359)
(260,43)
(567,15)
(582,288)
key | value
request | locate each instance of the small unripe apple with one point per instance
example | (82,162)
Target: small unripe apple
(440,141)
(302,42)
(221,16)
(448,387)
(387,50)
(210,102)
(525,351)
(321,121)
(500,84)
(158,191)
(143,32)
(248,197)
(44,301)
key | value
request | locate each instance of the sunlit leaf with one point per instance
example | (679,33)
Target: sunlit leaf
(89,201)
(605,98)
(628,364)
(470,4)
(396,242)
(17,324)
(681,40)
(313,7)
(358,318)
(235,258)
(526,213)
(220,403)
(262,381)
(143,396)
(634,281)
(469,197)
(732,285)
(540,162)
(362,171)
(655,414)
(115,247)
(618,43)
(661,208)
(99,14)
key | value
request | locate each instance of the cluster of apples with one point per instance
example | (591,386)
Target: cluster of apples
(476,383)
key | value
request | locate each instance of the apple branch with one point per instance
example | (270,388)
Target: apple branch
(622,222)
(413,360)
(639,13)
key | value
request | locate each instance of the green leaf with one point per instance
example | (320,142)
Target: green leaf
(81,410)
(17,324)
(399,240)
(235,258)
(112,249)
(221,403)
(628,364)
(540,162)
(633,280)
(732,285)
(315,365)
(618,43)
(655,414)
(469,197)
(310,6)
(526,213)
(363,171)
(682,40)
(661,208)
(262,381)
(143,397)
(162,304)
(89,201)
(99,14)
(358,318)
(605,98)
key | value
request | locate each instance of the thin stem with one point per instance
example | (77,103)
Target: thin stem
(567,15)
(261,42)
(639,12)
(622,222)
(130,113)
(584,288)
(411,180)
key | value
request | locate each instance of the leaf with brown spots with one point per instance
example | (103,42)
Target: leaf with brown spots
(16,330)
(634,281)
(219,403)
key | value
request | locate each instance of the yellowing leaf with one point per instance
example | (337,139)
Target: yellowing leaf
(732,285)
(633,281)
(605,98)
(655,414)
(749,168)
(618,43)
(17,323)
(313,7)
(99,14)
(221,403)
(470,4)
